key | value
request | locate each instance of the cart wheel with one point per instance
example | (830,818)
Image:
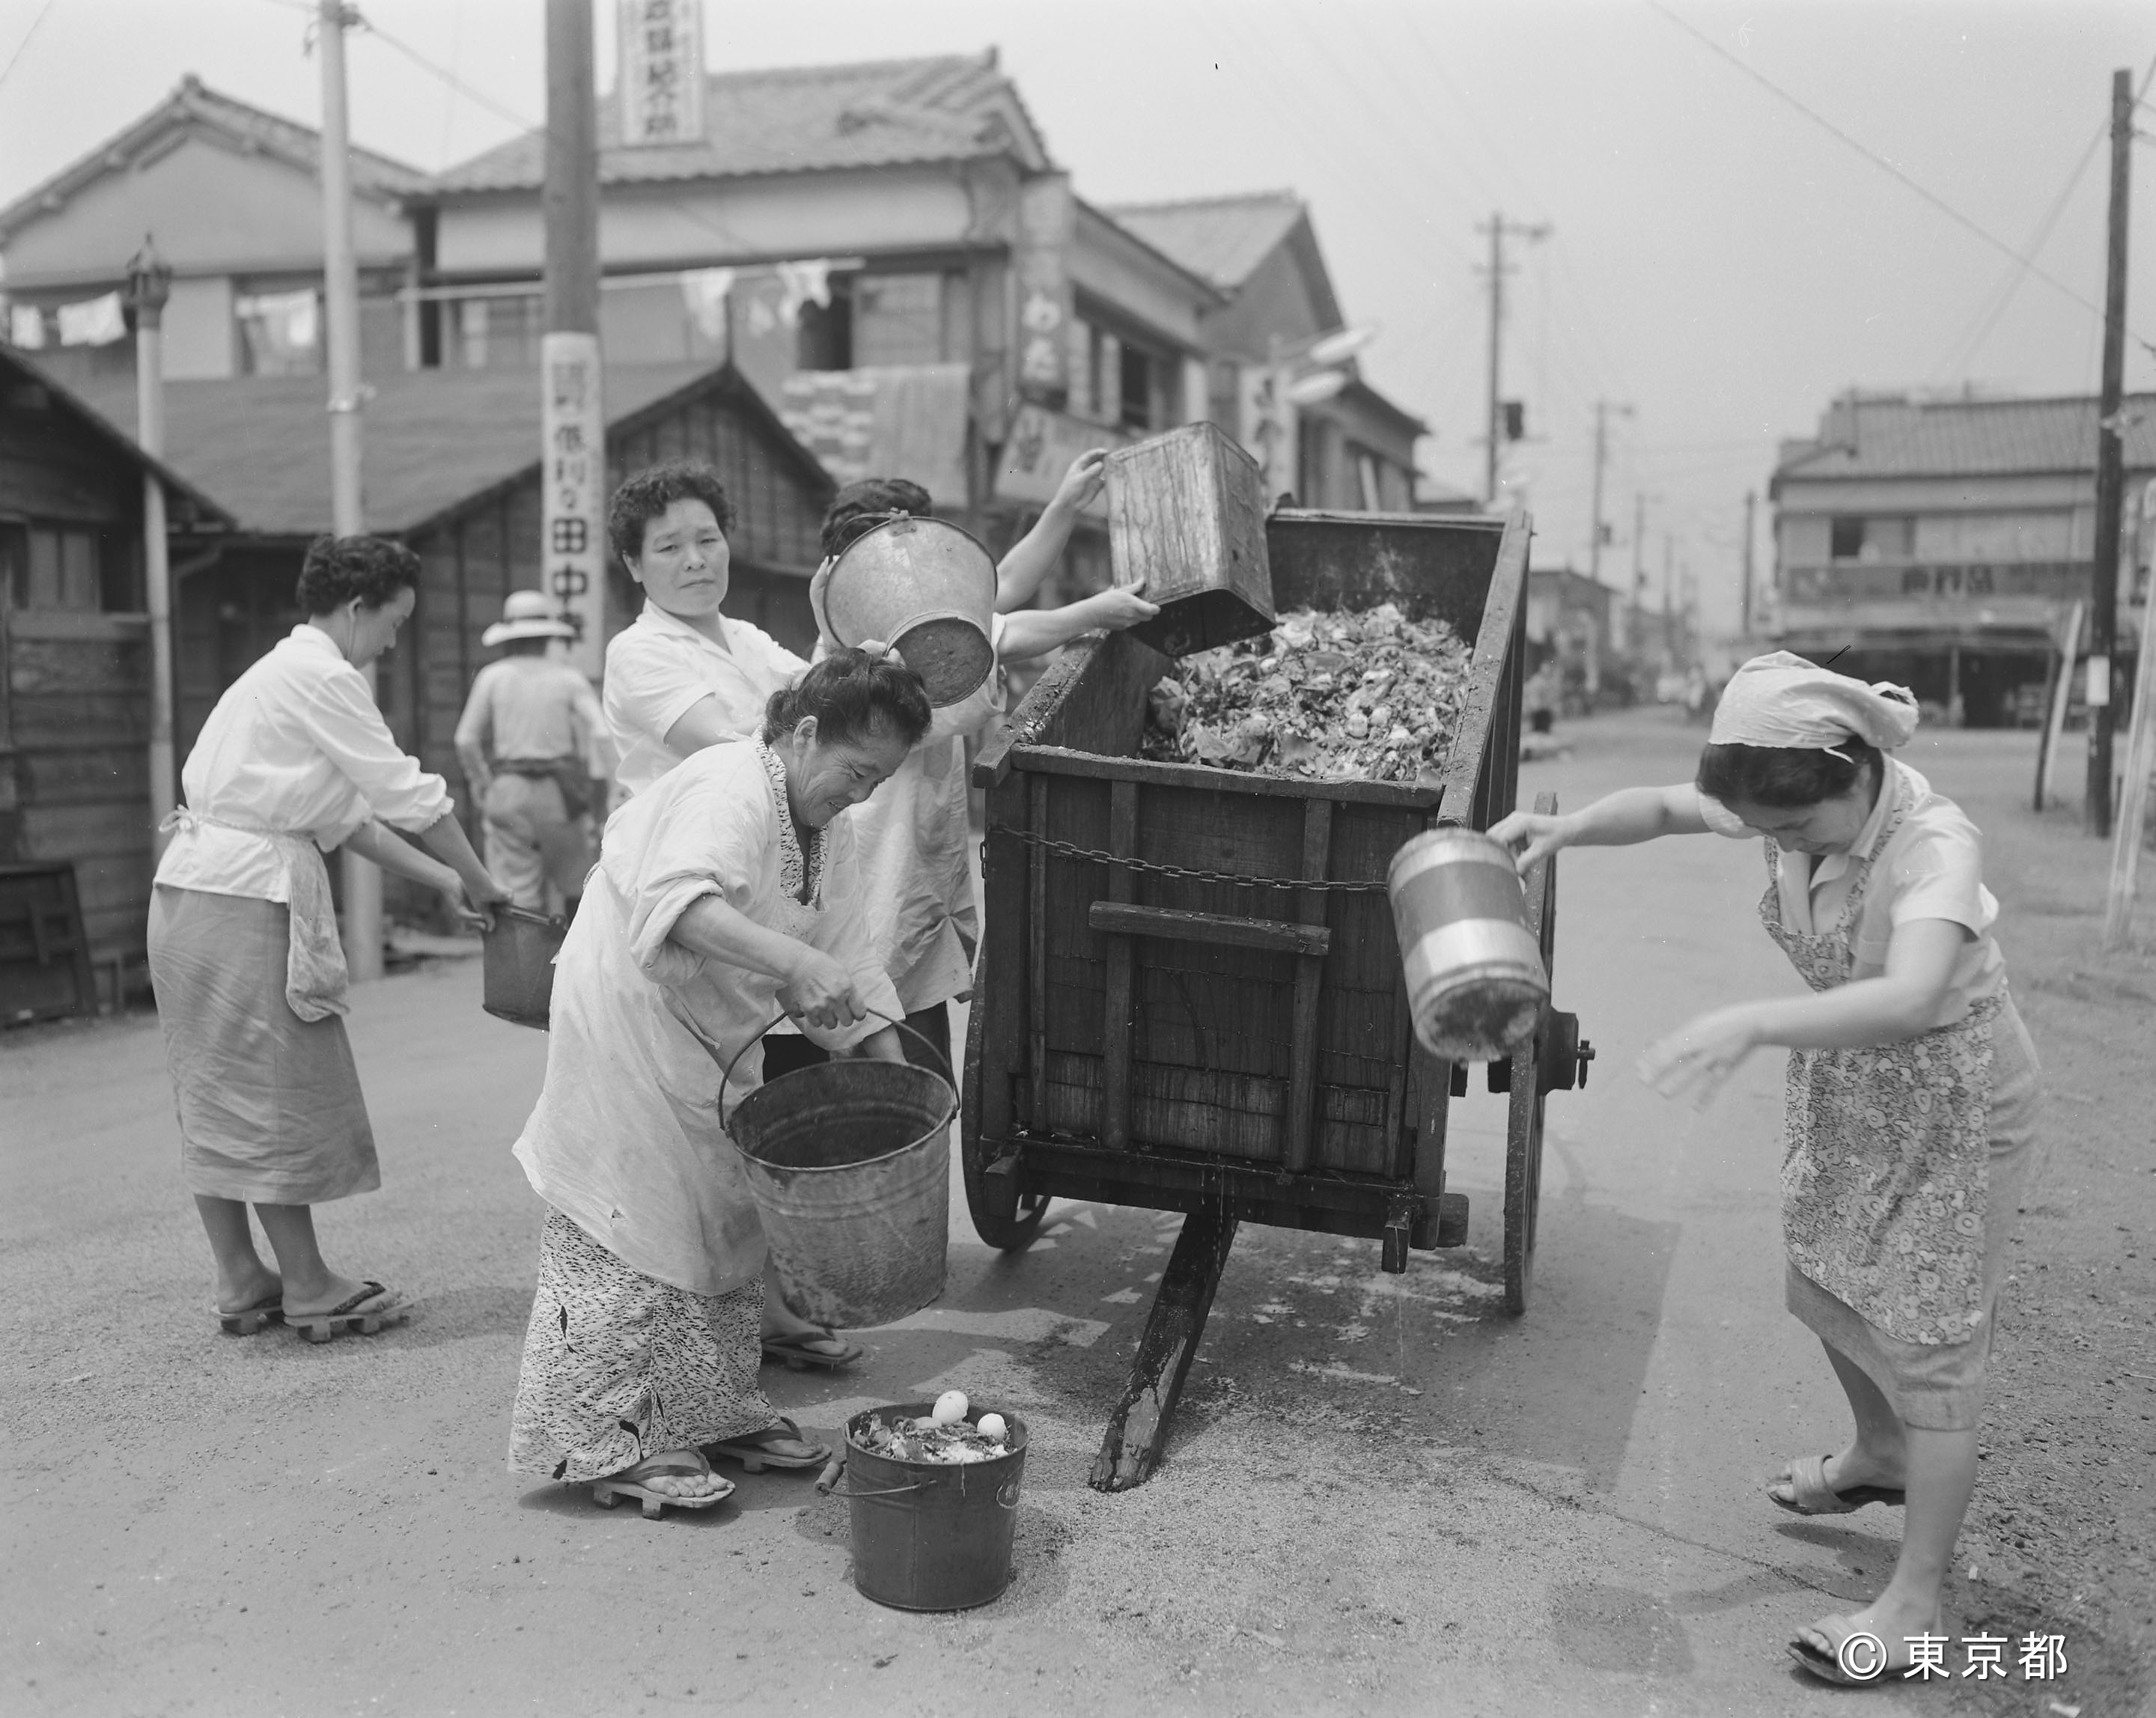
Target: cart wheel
(1004,1223)
(1523,1134)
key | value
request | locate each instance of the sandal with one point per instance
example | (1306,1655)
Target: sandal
(799,1356)
(1807,1478)
(246,1321)
(754,1452)
(611,1489)
(365,1313)
(1829,1667)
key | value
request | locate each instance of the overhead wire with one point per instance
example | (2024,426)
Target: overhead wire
(15,58)
(1885,166)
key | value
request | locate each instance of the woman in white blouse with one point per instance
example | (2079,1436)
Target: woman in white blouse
(250,979)
(726,891)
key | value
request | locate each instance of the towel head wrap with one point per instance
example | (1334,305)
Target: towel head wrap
(1781,701)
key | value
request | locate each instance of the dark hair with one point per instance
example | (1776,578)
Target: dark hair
(851,694)
(338,569)
(643,497)
(1784,777)
(860,508)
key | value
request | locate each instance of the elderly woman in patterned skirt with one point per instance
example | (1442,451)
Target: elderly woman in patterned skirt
(728,891)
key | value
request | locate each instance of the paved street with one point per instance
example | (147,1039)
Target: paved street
(1386,1496)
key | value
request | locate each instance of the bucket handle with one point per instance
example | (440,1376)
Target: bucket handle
(679,1012)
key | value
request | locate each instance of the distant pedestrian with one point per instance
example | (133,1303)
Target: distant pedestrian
(1911,1099)
(250,979)
(527,741)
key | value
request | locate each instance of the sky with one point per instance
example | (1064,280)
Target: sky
(1716,265)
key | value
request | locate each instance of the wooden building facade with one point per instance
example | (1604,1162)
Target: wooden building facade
(75,649)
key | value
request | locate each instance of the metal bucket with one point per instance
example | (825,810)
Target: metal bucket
(520,952)
(927,589)
(849,1163)
(1476,983)
(928,1536)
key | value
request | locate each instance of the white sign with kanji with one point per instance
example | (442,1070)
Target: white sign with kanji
(572,491)
(662,72)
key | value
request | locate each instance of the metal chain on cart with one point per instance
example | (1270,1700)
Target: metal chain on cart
(1092,855)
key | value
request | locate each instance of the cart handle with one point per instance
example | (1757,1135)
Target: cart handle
(717,1052)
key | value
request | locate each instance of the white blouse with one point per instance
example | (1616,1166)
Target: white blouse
(296,745)
(626,1139)
(659,668)
(1933,869)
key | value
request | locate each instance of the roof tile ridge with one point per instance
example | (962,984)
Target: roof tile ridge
(1285,195)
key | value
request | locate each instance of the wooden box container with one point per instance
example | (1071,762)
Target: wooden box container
(1187,513)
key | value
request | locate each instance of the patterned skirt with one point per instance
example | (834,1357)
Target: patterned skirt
(618,1366)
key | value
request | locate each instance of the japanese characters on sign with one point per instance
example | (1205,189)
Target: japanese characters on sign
(572,491)
(1046,218)
(1041,445)
(662,72)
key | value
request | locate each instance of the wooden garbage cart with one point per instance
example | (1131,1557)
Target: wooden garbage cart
(1191,995)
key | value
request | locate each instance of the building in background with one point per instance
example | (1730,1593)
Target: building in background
(75,657)
(234,196)
(1581,624)
(1355,451)
(1940,543)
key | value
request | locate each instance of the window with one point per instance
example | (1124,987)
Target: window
(499,333)
(49,566)
(280,332)
(1860,539)
(898,319)
(824,334)
(1844,539)
(1138,375)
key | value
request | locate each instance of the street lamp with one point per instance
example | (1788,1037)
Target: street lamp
(149,286)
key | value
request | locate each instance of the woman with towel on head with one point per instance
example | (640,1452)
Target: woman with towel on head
(1910,1103)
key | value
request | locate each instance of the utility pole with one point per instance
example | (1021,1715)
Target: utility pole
(2110,466)
(149,286)
(572,410)
(1603,408)
(1498,228)
(1744,596)
(362,882)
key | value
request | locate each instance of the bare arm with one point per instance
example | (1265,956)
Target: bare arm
(1899,1003)
(1020,574)
(438,868)
(1035,631)
(1619,819)
(446,839)
(822,990)
(703,724)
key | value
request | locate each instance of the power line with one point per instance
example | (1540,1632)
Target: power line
(1884,165)
(24,43)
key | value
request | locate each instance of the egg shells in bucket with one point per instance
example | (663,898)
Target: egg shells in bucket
(992,1425)
(950,1408)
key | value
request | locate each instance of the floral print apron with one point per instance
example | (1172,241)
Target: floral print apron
(1885,1155)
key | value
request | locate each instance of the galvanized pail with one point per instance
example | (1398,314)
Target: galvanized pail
(925,588)
(850,1164)
(1476,983)
(519,959)
(929,1536)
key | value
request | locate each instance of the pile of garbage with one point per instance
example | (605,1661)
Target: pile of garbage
(945,1436)
(1327,696)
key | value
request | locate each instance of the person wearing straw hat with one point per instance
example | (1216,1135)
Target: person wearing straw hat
(526,740)
(1911,1098)
(728,891)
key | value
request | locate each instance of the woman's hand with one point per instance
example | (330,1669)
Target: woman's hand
(1083,482)
(1120,605)
(477,897)
(821,993)
(1697,1058)
(1532,836)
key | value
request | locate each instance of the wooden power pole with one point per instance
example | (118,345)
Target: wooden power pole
(362,881)
(1744,595)
(1498,229)
(2110,466)
(572,412)
(1603,408)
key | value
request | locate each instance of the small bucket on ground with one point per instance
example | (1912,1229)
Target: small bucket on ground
(927,589)
(1476,984)
(850,1164)
(520,952)
(929,1535)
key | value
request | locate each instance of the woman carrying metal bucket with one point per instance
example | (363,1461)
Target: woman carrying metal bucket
(727,890)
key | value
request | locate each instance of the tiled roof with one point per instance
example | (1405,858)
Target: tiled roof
(1219,238)
(192,105)
(260,445)
(1862,437)
(104,417)
(789,119)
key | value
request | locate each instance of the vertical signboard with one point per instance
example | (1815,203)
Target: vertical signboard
(662,72)
(572,491)
(1046,225)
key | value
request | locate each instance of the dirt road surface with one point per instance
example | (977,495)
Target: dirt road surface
(1385,1496)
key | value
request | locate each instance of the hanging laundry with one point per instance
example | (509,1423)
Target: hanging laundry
(704,294)
(96,321)
(805,282)
(26,327)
